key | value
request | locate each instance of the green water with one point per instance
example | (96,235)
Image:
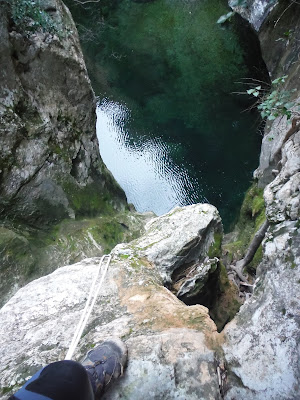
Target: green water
(175,70)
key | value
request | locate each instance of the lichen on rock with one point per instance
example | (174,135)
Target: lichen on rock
(169,342)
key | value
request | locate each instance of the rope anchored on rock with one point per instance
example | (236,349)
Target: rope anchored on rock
(94,291)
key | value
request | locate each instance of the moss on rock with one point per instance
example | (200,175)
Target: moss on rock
(227,302)
(215,249)
(28,253)
(251,217)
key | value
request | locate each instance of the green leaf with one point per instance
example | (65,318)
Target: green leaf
(225,17)
(281,79)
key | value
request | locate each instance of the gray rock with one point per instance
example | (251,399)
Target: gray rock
(26,256)
(178,246)
(262,342)
(175,364)
(171,345)
(255,11)
(194,285)
(282,194)
(262,349)
(50,166)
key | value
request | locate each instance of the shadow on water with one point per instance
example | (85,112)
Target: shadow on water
(169,127)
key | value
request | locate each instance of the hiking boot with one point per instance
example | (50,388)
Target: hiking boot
(104,364)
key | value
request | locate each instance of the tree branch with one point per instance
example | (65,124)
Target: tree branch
(254,245)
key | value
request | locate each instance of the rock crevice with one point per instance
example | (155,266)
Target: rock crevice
(169,342)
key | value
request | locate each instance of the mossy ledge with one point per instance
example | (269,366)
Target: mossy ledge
(251,217)
(28,253)
(252,214)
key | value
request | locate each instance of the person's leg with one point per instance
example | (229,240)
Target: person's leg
(68,379)
(58,381)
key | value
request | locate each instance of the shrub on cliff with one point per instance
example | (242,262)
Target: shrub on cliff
(28,17)
(276,103)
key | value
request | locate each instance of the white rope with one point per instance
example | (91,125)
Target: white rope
(89,305)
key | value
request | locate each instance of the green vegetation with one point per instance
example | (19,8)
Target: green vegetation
(29,17)
(8,389)
(27,254)
(136,264)
(277,103)
(124,256)
(286,36)
(86,201)
(226,304)
(252,215)
(215,249)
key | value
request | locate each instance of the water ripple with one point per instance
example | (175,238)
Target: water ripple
(144,169)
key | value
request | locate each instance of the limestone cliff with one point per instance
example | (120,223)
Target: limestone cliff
(49,162)
(50,167)
(262,342)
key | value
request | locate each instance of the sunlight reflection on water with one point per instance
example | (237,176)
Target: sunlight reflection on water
(144,169)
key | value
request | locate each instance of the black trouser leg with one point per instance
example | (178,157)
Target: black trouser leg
(60,380)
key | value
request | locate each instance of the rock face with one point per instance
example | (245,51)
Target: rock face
(26,257)
(255,11)
(50,167)
(262,349)
(49,160)
(262,342)
(170,344)
(281,59)
(186,267)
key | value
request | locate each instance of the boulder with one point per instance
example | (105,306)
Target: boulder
(255,11)
(171,345)
(182,249)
